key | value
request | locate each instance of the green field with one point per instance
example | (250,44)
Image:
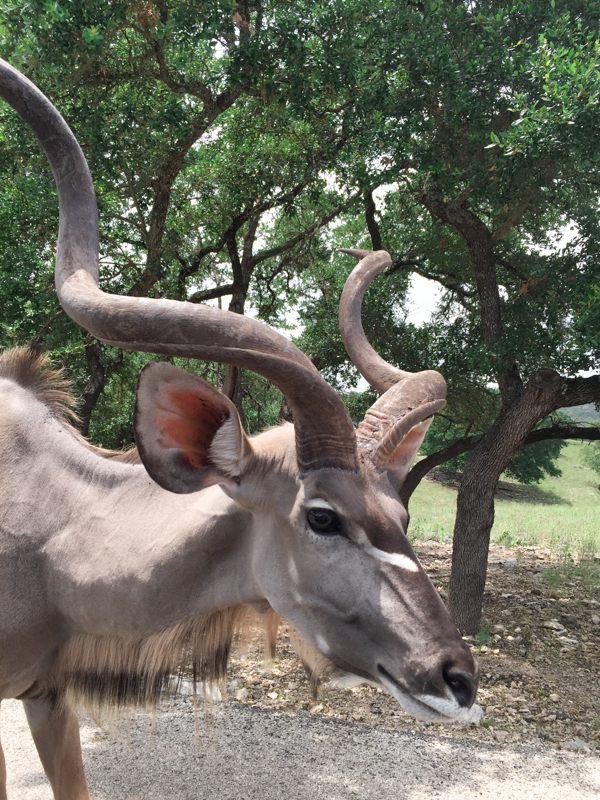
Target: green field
(561,513)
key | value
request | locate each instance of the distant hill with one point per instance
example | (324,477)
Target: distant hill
(586,413)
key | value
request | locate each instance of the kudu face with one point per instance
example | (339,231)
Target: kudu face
(341,569)
(328,549)
(326,528)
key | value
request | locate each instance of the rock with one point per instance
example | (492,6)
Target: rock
(576,746)
(273,695)
(242,694)
(555,698)
(569,621)
(497,629)
(595,619)
(553,625)
(317,709)
(501,736)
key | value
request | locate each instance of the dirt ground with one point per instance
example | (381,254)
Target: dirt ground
(539,654)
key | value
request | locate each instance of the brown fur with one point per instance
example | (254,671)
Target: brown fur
(92,671)
(35,372)
(318,667)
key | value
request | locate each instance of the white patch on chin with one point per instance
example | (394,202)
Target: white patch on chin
(429,708)
(321,643)
(397,559)
(450,707)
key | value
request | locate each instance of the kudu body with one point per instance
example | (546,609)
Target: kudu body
(112,575)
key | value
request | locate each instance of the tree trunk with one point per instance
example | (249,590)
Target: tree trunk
(95,384)
(475,504)
(232,388)
(232,385)
(285,412)
(522,408)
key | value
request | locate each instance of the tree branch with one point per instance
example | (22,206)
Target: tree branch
(590,433)
(372,225)
(514,216)
(303,234)
(421,468)
(35,343)
(466,443)
(511,268)
(549,169)
(579,391)
(211,294)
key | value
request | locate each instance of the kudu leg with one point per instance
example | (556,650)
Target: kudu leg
(55,732)
(2,775)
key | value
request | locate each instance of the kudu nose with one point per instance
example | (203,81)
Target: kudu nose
(462,684)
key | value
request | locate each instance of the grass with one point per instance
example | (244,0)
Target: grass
(484,635)
(561,513)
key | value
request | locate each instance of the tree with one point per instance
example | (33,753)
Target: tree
(485,116)
(209,128)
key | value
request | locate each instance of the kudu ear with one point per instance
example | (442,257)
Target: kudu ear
(188,434)
(403,455)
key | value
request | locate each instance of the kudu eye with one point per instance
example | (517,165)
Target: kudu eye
(324,521)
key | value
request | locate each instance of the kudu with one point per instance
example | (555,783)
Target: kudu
(112,575)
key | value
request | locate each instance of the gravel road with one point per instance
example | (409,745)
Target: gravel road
(253,754)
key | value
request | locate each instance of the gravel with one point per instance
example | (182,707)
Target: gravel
(246,753)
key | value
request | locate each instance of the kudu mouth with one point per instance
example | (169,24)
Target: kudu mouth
(457,706)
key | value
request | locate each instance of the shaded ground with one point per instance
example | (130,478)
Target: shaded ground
(252,754)
(505,490)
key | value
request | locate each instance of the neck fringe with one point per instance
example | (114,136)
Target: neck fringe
(92,672)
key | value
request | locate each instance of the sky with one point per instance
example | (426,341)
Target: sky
(422,298)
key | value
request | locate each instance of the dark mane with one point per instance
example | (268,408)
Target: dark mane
(95,671)
(35,372)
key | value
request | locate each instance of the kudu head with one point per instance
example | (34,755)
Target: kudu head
(329,549)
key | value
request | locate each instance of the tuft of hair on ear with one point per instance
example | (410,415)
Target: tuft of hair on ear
(226,446)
